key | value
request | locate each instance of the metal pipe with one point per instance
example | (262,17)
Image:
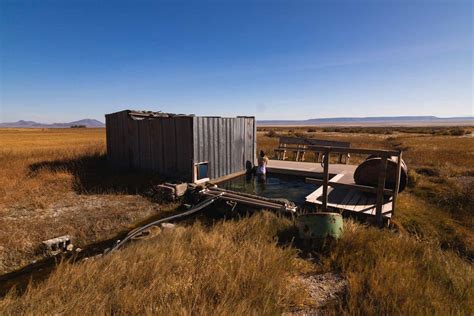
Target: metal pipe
(237,196)
(255,197)
(242,198)
(250,200)
(139,230)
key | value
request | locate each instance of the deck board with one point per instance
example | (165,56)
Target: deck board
(309,169)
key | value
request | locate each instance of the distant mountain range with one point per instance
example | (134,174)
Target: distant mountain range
(382,120)
(336,121)
(31,124)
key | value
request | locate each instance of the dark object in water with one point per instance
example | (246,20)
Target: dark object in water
(367,172)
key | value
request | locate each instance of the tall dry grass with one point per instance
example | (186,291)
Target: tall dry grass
(57,181)
(393,273)
(238,267)
(235,267)
(424,266)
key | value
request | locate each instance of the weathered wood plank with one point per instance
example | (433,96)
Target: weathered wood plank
(107,137)
(145,145)
(359,187)
(125,158)
(183,145)
(343,150)
(313,197)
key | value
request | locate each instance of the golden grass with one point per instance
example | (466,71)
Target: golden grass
(390,273)
(423,266)
(55,182)
(233,268)
(21,148)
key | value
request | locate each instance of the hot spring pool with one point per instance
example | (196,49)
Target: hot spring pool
(274,186)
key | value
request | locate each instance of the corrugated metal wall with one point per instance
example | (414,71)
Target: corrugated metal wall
(171,145)
(225,143)
(162,145)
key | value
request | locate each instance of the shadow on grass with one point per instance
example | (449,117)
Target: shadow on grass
(93,175)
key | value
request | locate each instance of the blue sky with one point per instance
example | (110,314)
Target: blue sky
(67,60)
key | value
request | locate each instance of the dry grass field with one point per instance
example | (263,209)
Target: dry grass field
(55,182)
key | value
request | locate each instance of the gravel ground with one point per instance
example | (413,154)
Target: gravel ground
(323,289)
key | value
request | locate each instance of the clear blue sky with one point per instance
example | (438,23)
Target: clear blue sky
(275,60)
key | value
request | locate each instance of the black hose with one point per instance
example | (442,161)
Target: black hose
(139,230)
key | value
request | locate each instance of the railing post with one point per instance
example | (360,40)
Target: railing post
(326,179)
(397,182)
(380,188)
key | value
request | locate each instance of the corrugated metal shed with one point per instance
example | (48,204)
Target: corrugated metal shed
(174,145)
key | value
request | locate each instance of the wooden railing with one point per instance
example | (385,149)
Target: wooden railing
(300,145)
(379,190)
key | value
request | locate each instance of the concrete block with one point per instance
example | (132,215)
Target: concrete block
(56,245)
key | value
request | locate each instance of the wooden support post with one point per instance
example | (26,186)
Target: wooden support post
(326,180)
(316,156)
(380,189)
(397,182)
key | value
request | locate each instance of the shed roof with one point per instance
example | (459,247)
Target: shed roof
(140,115)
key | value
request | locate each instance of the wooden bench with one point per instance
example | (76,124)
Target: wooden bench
(342,158)
(299,146)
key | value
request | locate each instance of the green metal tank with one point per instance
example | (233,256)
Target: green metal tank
(319,225)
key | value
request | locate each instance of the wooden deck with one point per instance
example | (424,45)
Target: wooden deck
(339,198)
(352,200)
(309,169)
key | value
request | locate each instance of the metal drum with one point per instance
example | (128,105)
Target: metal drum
(319,226)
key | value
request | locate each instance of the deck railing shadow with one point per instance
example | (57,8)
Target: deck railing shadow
(93,175)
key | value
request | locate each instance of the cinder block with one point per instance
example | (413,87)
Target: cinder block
(56,245)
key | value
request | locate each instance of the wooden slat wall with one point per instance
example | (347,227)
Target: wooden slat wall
(226,143)
(162,145)
(170,146)
(184,137)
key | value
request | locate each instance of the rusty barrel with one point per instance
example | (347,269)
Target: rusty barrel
(368,171)
(319,226)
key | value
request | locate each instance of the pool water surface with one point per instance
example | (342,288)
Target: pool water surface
(291,188)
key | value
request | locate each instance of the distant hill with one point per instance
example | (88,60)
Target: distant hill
(31,124)
(382,120)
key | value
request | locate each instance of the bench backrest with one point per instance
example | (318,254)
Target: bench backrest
(284,141)
(332,143)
